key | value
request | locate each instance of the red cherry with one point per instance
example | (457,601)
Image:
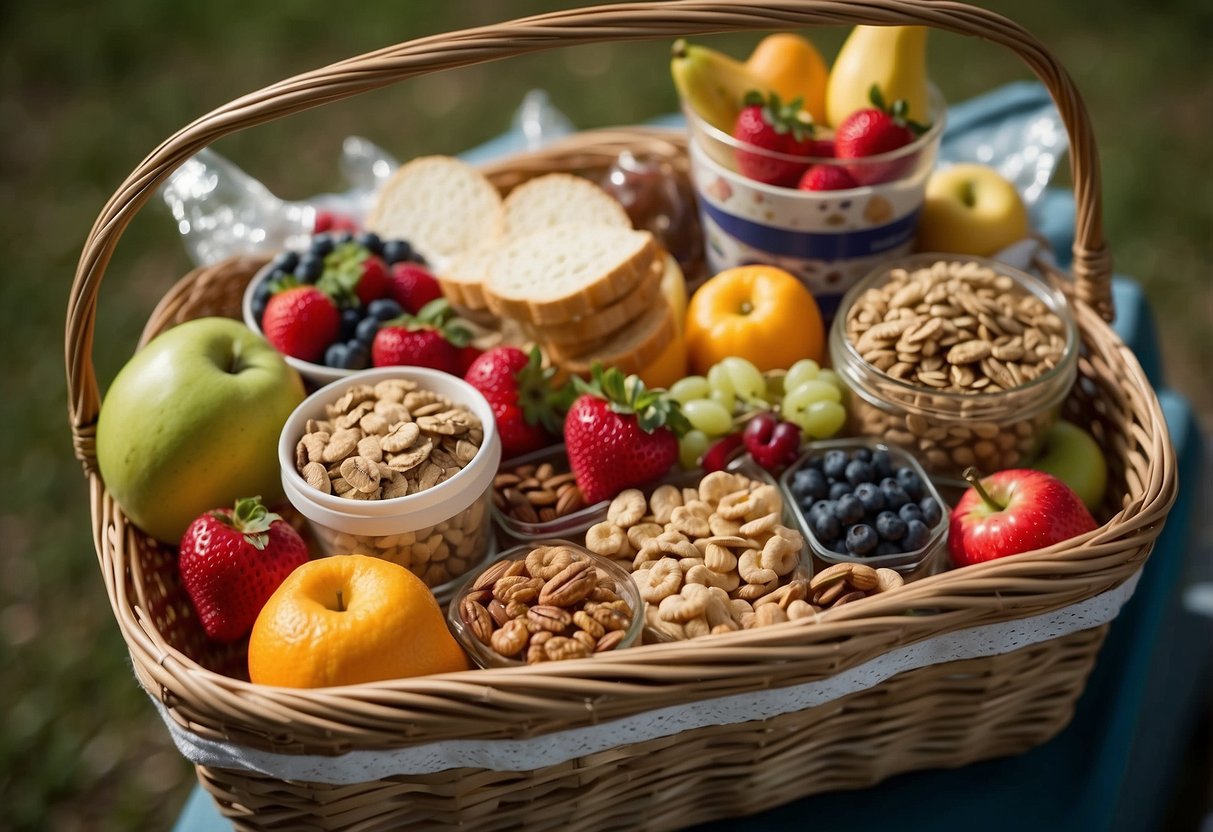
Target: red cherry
(717,456)
(772,443)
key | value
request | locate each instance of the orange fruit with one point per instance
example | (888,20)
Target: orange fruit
(791,66)
(350,619)
(760,313)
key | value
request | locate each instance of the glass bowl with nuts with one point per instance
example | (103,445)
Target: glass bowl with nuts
(545,601)
(536,497)
(397,463)
(963,361)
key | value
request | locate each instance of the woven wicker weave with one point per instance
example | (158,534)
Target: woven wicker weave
(944,714)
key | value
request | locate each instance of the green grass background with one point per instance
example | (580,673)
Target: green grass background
(87,89)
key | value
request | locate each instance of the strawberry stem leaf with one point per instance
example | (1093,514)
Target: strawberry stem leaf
(250,518)
(629,395)
(541,402)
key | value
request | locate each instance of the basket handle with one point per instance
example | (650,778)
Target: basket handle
(631,21)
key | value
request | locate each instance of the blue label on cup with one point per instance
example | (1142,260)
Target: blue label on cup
(809,245)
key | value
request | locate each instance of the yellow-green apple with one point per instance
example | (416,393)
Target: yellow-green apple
(192,422)
(1074,457)
(971,209)
(1013,511)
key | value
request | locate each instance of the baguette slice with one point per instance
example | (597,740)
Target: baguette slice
(567,271)
(633,348)
(462,278)
(441,205)
(558,198)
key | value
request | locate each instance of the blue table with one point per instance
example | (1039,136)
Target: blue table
(1111,769)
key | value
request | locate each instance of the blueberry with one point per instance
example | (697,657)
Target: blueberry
(384,309)
(364,333)
(890,526)
(848,509)
(916,536)
(335,355)
(858,471)
(263,289)
(838,489)
(357,356)
(862,454)
(887,547)
(882,463)
(861,539)
(869,495)
(826,527)
(810,482)
(350,316)
(908,479)
(370,241)
(910,511)
(321,245)
(822,507)
(931,511)
(309,268)
(894,495)
(258,306)
(285,261)
(341,238)
(397,251)
(835,464)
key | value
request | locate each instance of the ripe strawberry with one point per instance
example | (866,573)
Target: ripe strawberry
(231,561)
(874,131)
(827,178)
(301,322)
(373,283)
(412,286)
(332,221)
(528,409)
(778,132)
(620,435)
(431,338)
(467,355)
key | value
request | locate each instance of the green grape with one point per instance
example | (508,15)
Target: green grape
(722,387)
(823,419)
(775,387)
(708,416)
(747,380)
(796,402)
(691,448)
(806,369)
(691,387)
(831,377)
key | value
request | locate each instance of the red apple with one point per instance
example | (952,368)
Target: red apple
(1013,511)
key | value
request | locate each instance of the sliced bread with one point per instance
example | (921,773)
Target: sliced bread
(558,198)
(586,332)
(462,278)
(567,271)
(443,206)
(633,348)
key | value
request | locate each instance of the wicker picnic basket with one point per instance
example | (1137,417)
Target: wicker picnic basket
(666,735)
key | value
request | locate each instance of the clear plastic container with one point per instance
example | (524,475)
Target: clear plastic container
(947,430)
(485,656)
(438,533)
(929,558)
(828,239)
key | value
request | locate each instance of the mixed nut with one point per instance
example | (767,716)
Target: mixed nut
(534,494)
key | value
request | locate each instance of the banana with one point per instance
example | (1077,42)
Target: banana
(711,83)
(894,58)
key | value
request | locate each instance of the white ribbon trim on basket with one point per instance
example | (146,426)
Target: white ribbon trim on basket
(562,746)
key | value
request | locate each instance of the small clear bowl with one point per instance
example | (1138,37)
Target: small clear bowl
(917,563)
(569,527)
(486,656)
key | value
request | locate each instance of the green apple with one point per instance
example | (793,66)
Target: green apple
(191,423)
(971,209)
(1074,457)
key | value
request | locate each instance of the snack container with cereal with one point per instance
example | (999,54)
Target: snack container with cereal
(438,526)
(963,361)
(546,600)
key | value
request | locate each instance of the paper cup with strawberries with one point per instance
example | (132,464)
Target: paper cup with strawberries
(826,205)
